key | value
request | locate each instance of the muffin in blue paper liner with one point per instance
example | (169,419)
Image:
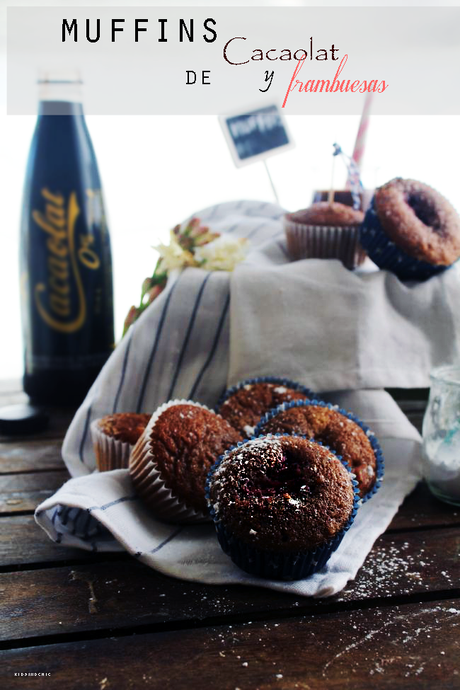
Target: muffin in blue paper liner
(244,404)
(339,429)
(411,230)
(281,505)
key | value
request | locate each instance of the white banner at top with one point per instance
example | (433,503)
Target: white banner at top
(205,60)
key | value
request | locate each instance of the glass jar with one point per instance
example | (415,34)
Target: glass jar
(441,435)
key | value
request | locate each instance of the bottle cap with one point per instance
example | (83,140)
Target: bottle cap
(59,76)
(59,86)
(22,419)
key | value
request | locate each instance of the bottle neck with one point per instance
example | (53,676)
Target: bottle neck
(59,108)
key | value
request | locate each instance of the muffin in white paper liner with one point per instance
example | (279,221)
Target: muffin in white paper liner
(111,453)
(149,483)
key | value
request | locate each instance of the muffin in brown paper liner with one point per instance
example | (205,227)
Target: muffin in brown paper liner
(325,231)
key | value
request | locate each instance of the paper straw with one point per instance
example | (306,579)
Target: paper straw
(330,196)
(360,143)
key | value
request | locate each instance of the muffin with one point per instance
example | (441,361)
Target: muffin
(325,231)
(281,505)
(244,404)
(114,437)
(171,460)
(344,433)
(411,230)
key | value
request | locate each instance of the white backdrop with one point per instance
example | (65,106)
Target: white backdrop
(156,171)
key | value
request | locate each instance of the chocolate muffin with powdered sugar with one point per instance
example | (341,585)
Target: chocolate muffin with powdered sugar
(243,405)
(281,505)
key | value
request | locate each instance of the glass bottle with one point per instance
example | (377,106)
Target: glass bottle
(65,256)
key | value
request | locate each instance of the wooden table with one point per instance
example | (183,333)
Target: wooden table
(106,621)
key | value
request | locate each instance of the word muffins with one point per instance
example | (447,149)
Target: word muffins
(411,229)
(281,505)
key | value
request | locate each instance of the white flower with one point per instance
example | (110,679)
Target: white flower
(173,255)
(221,254)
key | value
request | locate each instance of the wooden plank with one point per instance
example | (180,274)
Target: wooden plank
(408,398)
(413,404)
(58,425)
(416,418)
(414,646)
(404,564)
(419,510)
(21,492)
(30,481)
(30,456)
(422,509)
(114,595)
(24,543)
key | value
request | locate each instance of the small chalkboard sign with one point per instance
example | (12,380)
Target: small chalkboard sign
(256,134)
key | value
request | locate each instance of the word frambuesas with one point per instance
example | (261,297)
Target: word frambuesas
(334,86)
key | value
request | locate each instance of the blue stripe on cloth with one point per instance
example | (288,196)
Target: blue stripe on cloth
(123,369)
(257,209)
(213,348)
(64,515)
(167,540)
(81,526)
(187,336)
(155,346)
(255,230)
(271,238)
(205,215)
(84,435)
(53,520)
(283,250)
(214,211)
(113,503)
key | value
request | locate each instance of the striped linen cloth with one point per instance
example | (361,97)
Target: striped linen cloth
(194,340)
